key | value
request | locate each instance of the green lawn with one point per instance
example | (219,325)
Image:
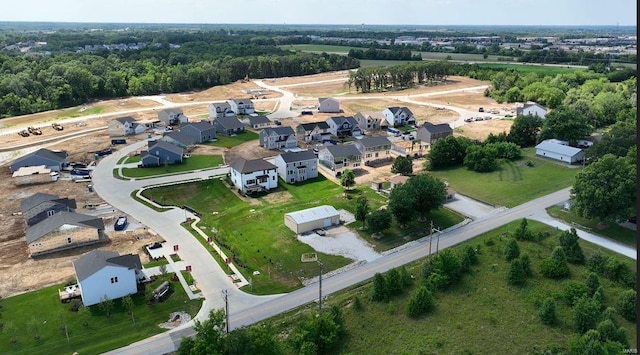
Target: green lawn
(514,183)
(612,230)
(481,314)
(226,141)
(539,69)
(159,262)
(101,335)
(195,162)
(129,160)
(78,112)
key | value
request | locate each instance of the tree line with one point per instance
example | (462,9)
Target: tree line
(382,54)
(397,77)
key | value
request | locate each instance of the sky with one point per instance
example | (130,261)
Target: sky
(371,12)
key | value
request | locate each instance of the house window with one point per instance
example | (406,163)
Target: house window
(114,280)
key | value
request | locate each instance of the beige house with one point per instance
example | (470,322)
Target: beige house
(62,231)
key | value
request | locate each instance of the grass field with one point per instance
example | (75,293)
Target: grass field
(539,69)
(514,183)
(78,112)
(102,334)
(195,162)
(226,141)
(481,314)
(612,230)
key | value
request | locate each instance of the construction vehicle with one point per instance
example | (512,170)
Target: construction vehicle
(34,131)
(57,126)
(24,133)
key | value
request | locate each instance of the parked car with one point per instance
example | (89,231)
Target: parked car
(321,232)
(121,223)
(480,109)
(470,119)
(306,112)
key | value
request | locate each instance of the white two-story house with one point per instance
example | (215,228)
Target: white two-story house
(398,116)
(253,176)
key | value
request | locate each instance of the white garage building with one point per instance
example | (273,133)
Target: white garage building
(312,218)
(551,149)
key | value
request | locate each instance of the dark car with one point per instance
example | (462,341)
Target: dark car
(480,109)
(121,223)
(306,112)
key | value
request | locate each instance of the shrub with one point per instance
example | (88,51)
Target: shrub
(596,263)
(547,312)
(592,283)
(523,232)
(526,265)
(393,282)
(379,290)
(627,305)
(573,291)
(556,266)
(516,275)
(421,302)
(586,314)
(572,250)
(610,332)
(511,249)
(598,296)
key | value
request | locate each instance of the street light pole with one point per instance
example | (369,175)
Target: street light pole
(225,295)
(320,288)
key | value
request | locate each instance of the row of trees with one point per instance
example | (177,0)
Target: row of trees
(481,157)
(401,53)
(398,76)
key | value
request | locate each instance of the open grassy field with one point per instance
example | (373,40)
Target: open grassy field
(514,183)
(538,69)
(102,333)
(195,162)
(226,141)
(481,314)
(612,230)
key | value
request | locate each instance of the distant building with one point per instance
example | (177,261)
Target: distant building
(54,160)
(161,153)
(220,109)
(242,106)
(398,116)
(328,105)
(560,152)
(278,138)
(172,116)
(429,133)
(124,126)
(532,109)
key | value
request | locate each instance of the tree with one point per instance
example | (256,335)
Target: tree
(481,159)
(106,305)
(379,290)
(573,290)
(523,232)
(525,129)
(393,281)
(421,302)
(516,275)
(127,303)
(610,332)
(402,165)
(526,264)
(627,304)
(325,330)
(362,209)
(547,312)
(469,257)
(592,283)
(379,220)
(605,189)
(569,243)
(348,179)
(406,279)
(556,266)
(85,314)
(402,204)
(511,249)
(564,124)
(428,193)
(449,151)
(209,338)
(586,314)
(446,264)
(617,140)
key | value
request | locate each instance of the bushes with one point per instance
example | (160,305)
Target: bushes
(627,305)
(556,266)
(421,302)
(586,314)
(511,250)
(547,312)
(569,243)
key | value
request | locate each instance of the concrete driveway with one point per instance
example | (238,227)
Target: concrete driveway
(471,208)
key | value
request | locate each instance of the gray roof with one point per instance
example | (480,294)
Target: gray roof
(245,166)
(395,109)
(313,214)
(181,137)
(39,198)
(222,105)
(436,128)
(176,111)
(200,126)
(312,125)
(281,131)
(95,260)
(125,119)
(166,146)
(521,109)
(326,98)
(241,101)
(339,120)
(253,120)
(59,219)
(59,156)
(558,148)
(370,142)
(291,157)
(229,122)
(343,150)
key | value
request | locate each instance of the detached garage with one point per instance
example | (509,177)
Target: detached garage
(312,218)
(560,152)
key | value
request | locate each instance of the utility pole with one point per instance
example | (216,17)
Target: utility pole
(225,295)
(430,236)
(320,288)
(438,243)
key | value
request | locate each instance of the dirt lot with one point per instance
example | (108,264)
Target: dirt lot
(18,272)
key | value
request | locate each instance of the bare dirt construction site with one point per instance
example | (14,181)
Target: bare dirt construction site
(20,273)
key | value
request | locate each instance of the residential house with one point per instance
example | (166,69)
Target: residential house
(312,219)
(172,116)
(104,273)
(202,131)
(397,180)
(328,105)
(160,153)
(398,116)
(532,109)
(64,230)
(241,106)
(228,126)
(54,160)
(341,126)
(180,139)
(124,126)
(40,206)
(560,152)
(586,142)
(410,148)
(259,122)
(371,121)
(220,109)
(316,132)
(374,149)
(278,138)
(338,158)
(253,175)
(297,166)
(429,133)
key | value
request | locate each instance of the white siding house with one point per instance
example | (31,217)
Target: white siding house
(312,218)
(560,152)
(297,166)
(254,175)
(103,273)
(328,104)
(532,109)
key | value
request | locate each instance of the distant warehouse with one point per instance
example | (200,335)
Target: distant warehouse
(312,218)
